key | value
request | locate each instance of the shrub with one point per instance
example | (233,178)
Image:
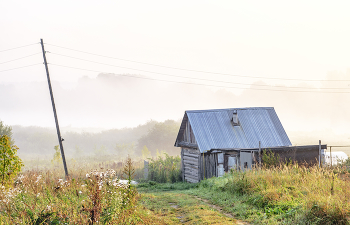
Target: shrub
(10,163)
(166,169)
(270,159)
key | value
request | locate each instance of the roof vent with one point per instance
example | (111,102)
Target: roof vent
(234,120)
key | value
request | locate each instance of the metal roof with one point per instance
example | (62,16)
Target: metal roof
(213,128)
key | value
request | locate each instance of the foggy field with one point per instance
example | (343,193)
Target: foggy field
(36,144)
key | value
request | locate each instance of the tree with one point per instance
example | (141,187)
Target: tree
(162,136)
(10,163)
(6,130)
(145,152)
(124,150)
(57,155)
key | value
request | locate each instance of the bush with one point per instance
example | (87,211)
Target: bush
(165,170)
(270,159)
(10,163)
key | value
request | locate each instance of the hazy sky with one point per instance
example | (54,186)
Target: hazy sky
(268,39)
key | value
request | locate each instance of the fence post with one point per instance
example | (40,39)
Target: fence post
(260,154)
(145,169)
(319,153)
(330,155)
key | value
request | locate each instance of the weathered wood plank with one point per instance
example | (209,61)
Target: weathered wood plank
(190,157)
(191,161)
(187,158)
(182,165)
(191,151)
(191,180)
(194,177)
(191,171)
(190,167)
(191,154)
(191,164)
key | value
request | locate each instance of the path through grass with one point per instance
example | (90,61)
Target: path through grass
(179,208)
(175,204)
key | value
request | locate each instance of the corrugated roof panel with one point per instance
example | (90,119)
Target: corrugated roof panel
(213,128)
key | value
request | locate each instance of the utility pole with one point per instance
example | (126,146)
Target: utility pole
(54,110)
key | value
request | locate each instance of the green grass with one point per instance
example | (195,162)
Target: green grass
(174,207)
(43,198)
(278,195)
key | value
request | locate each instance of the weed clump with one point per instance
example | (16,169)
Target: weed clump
(165,170)
(97,197)
(290,189)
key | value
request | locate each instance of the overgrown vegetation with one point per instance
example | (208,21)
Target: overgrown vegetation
(165,169)
(10,163)
(270,159)
(283,194)
(97,197)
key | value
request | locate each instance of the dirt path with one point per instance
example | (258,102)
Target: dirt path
(218,208)
(179,208)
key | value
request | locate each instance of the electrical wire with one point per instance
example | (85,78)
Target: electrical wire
(209,85)
(191,70)
(210,80)
(17,47)
(20,67)
(20,58)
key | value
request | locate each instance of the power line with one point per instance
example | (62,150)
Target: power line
(17,47)
(19,58)
(20,67)
(191,70)
(209,85)
(210,80)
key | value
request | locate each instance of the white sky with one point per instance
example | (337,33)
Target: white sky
(295,39)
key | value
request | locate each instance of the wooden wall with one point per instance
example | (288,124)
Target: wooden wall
(188,135)
(208,165)
(307,155)
(190,161)
(196,166)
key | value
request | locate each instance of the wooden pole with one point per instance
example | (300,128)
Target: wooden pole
(319,153)
(260,154)
(203,167)
(54,110)
(330,154)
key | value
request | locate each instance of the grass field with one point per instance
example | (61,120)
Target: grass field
(278,195)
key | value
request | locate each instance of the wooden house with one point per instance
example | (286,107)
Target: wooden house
(215,141)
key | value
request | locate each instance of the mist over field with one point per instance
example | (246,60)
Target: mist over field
(97,114)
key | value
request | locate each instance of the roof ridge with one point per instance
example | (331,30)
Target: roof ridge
(227,109)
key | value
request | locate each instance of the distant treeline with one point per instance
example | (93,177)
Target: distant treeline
(37,142)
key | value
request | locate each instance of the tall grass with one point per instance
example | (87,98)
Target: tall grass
(94,197)
(165,169)
(314,195)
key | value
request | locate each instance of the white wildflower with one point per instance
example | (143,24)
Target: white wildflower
(38,178)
